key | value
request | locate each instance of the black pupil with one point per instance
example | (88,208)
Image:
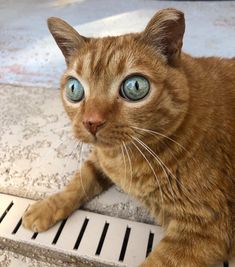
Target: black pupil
(72,88)
(137,85)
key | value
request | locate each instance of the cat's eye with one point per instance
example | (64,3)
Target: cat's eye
(135,88)
(74,90)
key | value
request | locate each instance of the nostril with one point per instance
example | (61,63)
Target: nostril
(93,126)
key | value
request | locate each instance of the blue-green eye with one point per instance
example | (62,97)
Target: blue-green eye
(74,90)
(135,88)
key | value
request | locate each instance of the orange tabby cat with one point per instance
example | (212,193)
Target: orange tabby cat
(166,116)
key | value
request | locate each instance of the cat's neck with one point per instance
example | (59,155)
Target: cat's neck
(110,152)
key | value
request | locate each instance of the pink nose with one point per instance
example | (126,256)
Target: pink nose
(93,123)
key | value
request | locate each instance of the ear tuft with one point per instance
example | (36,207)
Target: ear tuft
(165,32)
(66,37)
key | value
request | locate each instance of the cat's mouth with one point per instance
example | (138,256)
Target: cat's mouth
(107,139)
(104,141)
(96,140)
(114,137)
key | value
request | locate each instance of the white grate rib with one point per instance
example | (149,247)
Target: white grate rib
(88,235)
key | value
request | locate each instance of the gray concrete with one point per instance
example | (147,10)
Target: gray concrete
(39,154)
(29,56)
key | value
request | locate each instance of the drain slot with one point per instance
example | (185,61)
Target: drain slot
(6,211)
(34,236)
(150,244)
(83,229)
(17,227)
(59,232)
(102,238)
(124,244)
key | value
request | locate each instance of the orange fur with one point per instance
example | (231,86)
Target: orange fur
(178,143)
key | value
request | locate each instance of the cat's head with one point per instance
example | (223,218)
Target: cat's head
(116,88)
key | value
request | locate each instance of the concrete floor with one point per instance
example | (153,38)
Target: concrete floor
(29,55)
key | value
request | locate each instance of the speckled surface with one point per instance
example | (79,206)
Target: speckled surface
(39,154)
(29,54)
(13,259)
(41,257)
(34,142)
(37,150)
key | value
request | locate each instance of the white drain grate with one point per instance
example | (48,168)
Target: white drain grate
(102,239)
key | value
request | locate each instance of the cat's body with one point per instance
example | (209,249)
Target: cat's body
(174,150)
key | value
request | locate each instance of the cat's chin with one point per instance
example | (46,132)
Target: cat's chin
(98,142)
(105,144)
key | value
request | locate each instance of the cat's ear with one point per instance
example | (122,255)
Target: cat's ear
(66,37)
(165,32)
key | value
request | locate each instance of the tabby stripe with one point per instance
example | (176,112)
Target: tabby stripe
(86,65)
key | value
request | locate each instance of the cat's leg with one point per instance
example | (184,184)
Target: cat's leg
(201,246)
(45,213)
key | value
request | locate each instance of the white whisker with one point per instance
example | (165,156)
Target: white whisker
(160,134)
(131,170)
(185,190)
(124,160)
(158,160)
(80,158)
(51,150)
(159,186)
(72,152)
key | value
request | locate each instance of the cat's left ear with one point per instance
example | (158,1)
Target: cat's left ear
(66,37)
(165,32)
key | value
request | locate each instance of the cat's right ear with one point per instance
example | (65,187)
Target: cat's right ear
(165,32)
(66,37)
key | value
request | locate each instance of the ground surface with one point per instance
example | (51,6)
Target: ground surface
(29,54)
(36,147)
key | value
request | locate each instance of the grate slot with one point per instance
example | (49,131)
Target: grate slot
(34,236)
(19,231)
(58,233)
(150,244)
(6,211)
(47,237)
(137,242)
(70,231)
(17,227)
(102,238)
(124,244)
(83,229)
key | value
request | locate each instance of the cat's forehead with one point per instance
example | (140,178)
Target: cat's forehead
(105,62)
(108,56)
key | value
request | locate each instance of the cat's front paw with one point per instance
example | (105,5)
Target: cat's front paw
(39,216)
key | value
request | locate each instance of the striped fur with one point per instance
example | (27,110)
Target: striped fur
(174,150)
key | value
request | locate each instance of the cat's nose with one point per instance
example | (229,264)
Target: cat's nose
(93,123)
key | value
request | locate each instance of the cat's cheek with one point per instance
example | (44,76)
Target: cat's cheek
(84,136)
(85,139)
(72,109)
